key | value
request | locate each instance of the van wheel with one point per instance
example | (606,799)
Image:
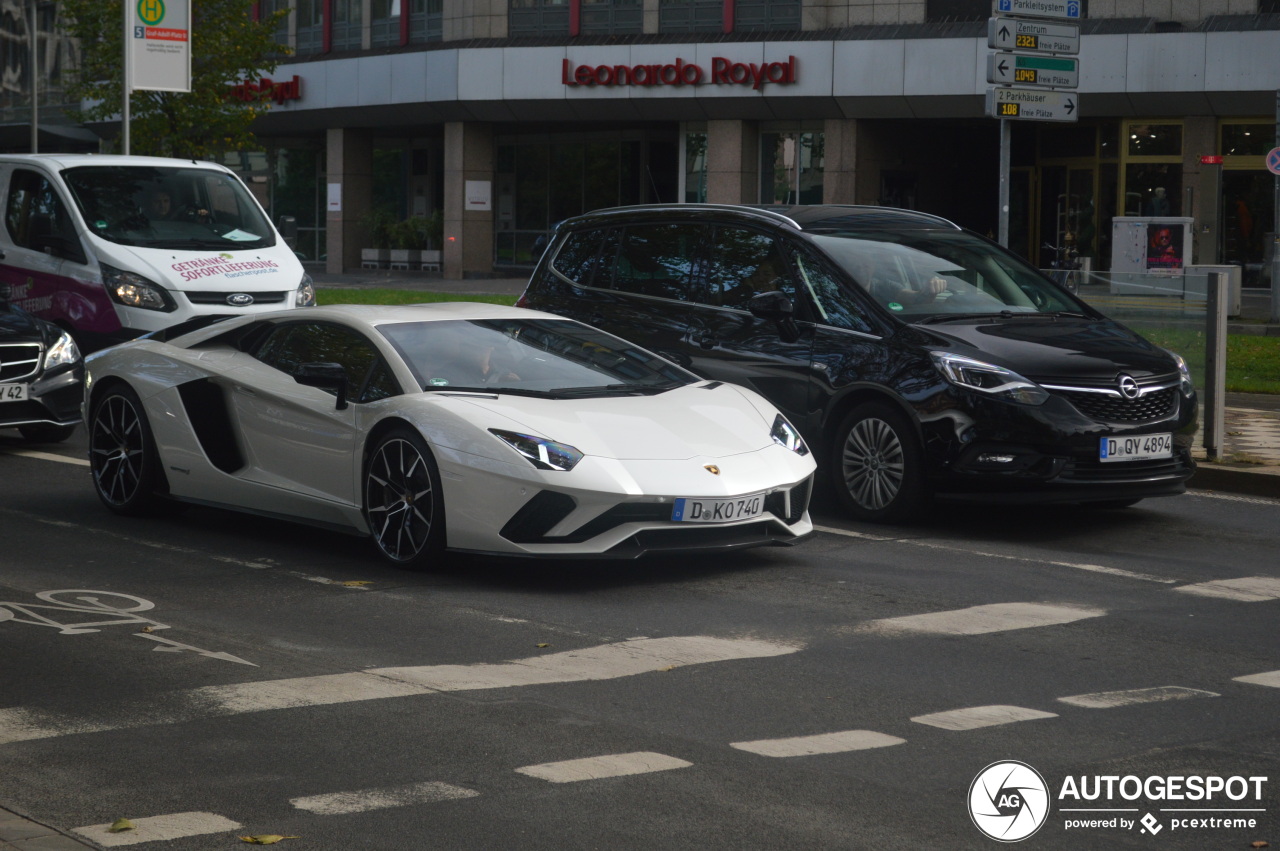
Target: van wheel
(878,465)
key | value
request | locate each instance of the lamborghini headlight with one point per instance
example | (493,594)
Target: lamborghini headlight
(988,378)
(539,451)
(785,434)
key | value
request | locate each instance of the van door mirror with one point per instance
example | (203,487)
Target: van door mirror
(326,376)
(776,307)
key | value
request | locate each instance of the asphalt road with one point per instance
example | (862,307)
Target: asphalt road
(210,676)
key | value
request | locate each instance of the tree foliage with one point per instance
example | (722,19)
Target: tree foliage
(227,47)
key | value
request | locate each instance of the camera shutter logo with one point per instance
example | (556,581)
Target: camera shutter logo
(1008,801)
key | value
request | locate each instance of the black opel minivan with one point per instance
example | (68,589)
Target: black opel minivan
(916,358)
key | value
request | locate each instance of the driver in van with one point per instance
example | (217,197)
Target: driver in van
(891,289)
(160,205)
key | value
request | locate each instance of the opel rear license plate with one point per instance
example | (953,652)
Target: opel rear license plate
(1142,447)
(694,510)
(13,392)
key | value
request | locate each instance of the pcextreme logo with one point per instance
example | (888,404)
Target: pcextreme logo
(1009,801)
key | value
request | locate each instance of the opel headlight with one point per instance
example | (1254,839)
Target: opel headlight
(133,290)
(540,452)
(988,378)
(785,434)
(1185,382)
(306,296)
(62,351)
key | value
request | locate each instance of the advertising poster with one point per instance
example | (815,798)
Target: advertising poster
(1164,247)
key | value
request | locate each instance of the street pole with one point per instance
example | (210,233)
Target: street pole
(35,79)
(1006,135)
(127,81)
(1275,228)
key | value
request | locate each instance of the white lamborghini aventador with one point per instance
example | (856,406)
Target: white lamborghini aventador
(462,426)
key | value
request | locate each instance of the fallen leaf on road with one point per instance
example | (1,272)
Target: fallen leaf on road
(1259,844)
(544,645)
(356,583)
(120,824)
(265,838)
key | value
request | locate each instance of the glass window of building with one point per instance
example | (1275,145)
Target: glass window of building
(296,190)
(791,167)
(1248,139)
(695,167)
(426,20)
(270,8)
(1248,196)
(607,17)
(384,22)
(691,16)
(348,18)
(766,15)
(1152,169)
(538,17)
(310,32)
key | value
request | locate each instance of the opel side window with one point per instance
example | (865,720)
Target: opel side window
(36,217)
(745,263)
(586,257)
(836,305)
(658,260)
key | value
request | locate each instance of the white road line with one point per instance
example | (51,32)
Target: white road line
(604,662)
(979,620)
(976,717)
(823,743)
(600,767)
(1270,678)
(155,828)
(47,456)
(1233,497)
(608,661)
(1246,589)
(933,545)
(1131,697)
(364,800)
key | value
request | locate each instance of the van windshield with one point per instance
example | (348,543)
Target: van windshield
(169,207)
(935,275)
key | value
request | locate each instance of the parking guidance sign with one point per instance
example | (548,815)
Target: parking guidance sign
(1067,10)
(159,36)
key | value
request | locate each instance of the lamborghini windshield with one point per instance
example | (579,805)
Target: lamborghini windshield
(535,357)
(170,208)
(936,275)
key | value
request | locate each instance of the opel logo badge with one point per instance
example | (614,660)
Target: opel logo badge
(239,299)
(1128,387)
(712,469)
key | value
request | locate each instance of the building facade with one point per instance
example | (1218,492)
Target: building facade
(506,116)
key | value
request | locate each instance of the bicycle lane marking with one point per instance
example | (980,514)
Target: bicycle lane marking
(934,545)
(44,456)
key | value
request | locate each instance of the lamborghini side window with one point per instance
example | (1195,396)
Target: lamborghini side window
(290,346)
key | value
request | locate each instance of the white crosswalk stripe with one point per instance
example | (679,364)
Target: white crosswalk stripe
(1131,697)
(364,800)
(599,767)
(979,620)
(976,717)
(1246,589)
(823,743)
(156,828)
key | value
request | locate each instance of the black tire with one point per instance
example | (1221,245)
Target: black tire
(122,454)
(877,465)
(45,433)
(403,502)
(1113,503)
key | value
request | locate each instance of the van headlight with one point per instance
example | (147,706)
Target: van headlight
(133,290)
(1185,381)
(988,378)
(306,296)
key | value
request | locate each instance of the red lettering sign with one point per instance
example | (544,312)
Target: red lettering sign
(724,72)
(268,89)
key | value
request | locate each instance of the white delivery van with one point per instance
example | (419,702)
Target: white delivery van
(111,247)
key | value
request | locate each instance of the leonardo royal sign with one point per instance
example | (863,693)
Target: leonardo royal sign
(723,72)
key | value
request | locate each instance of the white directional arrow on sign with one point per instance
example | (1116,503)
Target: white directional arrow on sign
(1036,36)
(1031,104)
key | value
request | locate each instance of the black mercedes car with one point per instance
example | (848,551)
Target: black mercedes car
(41,375)
(919,359)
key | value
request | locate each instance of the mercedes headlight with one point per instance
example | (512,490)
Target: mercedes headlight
(1185,382)
(988,378)
(784,434)
(133,290)
(64,350)
(540,452)
(306,296)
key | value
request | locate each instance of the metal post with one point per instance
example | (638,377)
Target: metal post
(1215,366)
(126,79)
(1005,140)
(35,78)
(1275,228)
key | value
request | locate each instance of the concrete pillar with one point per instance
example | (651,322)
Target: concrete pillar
(468,234)
(733,162)
(350,170)
(840,161)
(1200,137)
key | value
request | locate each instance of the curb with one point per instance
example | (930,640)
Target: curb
(1258,481)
